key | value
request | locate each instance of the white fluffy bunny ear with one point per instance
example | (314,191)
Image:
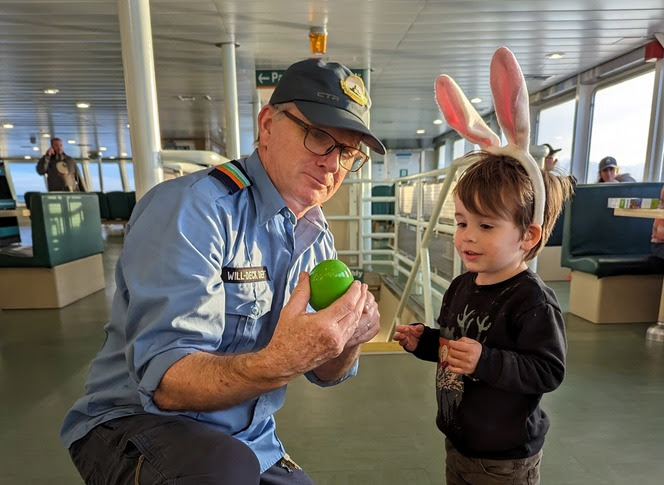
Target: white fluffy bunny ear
(461,115)
(510,97)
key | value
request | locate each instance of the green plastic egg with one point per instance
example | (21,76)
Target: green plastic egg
(328,281)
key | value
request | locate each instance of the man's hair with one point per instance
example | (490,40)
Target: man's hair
(498,186)
(53,140)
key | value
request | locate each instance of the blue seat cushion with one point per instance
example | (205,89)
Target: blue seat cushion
(614,265)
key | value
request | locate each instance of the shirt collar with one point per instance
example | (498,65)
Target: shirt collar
(267,198)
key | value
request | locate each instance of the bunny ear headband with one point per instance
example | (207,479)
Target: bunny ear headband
(510,97)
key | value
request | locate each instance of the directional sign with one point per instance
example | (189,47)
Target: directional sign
(268,78)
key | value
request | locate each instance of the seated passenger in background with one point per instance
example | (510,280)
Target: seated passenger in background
(550,159)
(609,172)
(658,231)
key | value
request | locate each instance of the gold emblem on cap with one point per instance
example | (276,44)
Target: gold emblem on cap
(353,86)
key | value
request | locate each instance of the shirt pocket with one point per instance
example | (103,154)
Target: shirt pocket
(246,305)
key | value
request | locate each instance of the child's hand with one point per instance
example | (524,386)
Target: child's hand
(464,355)
(408,336)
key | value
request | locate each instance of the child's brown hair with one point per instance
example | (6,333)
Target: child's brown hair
(498,185)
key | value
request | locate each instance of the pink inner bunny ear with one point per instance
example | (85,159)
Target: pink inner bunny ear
(510,97)
(461,115)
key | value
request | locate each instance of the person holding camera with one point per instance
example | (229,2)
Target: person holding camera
(61,171)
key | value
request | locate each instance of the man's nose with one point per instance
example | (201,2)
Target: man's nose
(330,161)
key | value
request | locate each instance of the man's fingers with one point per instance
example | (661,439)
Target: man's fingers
(350,301)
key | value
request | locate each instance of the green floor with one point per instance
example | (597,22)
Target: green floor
(378,428)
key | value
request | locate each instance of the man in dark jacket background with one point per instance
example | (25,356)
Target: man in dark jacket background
(61,170)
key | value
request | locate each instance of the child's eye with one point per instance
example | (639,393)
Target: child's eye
(486,226)
(461,224)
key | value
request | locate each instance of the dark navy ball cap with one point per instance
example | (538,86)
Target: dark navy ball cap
(328,94)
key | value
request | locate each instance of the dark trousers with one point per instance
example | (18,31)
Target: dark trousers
(150,449)
(462,470)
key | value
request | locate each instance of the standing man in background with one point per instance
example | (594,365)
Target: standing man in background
(61,170)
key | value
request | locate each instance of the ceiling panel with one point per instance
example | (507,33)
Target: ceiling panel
(75,47)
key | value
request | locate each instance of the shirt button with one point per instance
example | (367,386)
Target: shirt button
(254,309)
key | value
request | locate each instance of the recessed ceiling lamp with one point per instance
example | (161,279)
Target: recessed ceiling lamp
(420,132)
(51,91)
(123,154)
(82,105)
(112,158)
(437,122)
(476,100)
(555,55)
(36,149)
(102,149)
(46,135)
(7,125)
(27,157)
(71,142)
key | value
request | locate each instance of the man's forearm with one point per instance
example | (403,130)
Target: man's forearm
(207,382)
(338,367)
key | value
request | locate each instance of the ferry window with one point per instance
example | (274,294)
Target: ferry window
(129,167)
(442,162)
(458,149)
(556,127)
(25,178)
(93,167)
(621,120)
(111,173)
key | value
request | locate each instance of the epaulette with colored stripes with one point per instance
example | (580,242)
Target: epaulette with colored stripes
(232,175)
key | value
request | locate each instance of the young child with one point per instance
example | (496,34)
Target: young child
(502,335)
(501,342)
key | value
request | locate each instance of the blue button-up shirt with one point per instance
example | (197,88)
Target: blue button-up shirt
(171,300)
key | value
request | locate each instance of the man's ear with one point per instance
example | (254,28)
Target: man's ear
(531,237)
(265,117)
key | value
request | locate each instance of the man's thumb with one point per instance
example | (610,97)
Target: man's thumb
(301,294)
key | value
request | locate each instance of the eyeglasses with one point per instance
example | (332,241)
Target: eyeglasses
(321,143)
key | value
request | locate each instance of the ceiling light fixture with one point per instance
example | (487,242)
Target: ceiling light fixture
(476,100)
(437,122)
(420,132)
(36,149)
(71,142)
(186,97)
(51,91)
(46,135)
(555,55)
(317,41)
(7,125)
(123,154)
(82,105)
(102,149)
(27,157)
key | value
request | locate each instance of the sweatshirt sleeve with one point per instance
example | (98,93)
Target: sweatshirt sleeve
(539,364)
(427,348)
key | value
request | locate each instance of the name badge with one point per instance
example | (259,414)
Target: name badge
(244,275)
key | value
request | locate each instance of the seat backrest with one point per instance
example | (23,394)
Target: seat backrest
(590,228)
(119,205)
(65,227)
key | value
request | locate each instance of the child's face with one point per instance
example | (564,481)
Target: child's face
(492,246)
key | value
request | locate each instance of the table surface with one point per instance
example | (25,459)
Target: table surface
(645,213)
(14,212)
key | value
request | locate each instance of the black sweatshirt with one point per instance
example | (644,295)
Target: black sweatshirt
(495,413)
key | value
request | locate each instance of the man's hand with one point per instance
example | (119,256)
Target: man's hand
(50,152)
(303,341)
(369,322)
(409,336)
(464,355)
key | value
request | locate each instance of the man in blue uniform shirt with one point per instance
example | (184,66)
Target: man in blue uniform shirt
(209,320)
